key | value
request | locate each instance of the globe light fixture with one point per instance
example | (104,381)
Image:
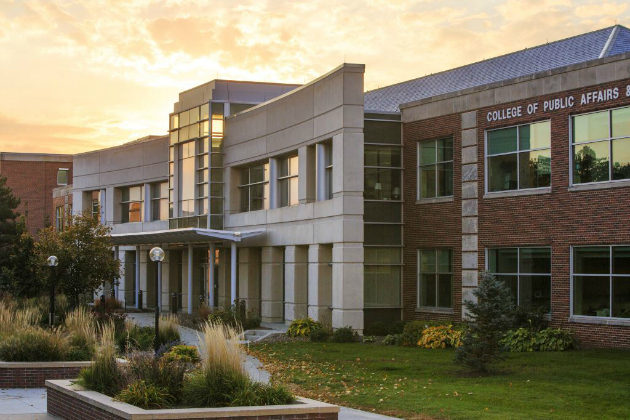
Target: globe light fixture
(53,261)
(156,254)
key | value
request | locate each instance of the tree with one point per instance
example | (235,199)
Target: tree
(8,227)
(84,250)
(489,319)
(20,277)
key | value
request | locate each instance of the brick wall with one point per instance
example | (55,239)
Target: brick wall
(66,407)
(33,182)
(35,377)
(559,219)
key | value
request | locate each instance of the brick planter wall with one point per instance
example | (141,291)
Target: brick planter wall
(72,403)
(34,375)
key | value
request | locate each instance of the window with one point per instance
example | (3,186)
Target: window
(131,204)
(526,271)
(435,168)
(382,277)
(288,181)
(601,281)
(435,278)
(59,218)
(254,187)
(159,201)
(187,179)
(519,157)
(328,171)
(96,210)
(601,146)
(63,175)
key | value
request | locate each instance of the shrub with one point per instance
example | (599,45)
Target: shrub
(111,304)
(168,329)
(390,340)
(135,337)
(81,328)
(397,327)
(440,337)
(104,376)
(490,318)
(182,354)
(320,335)
(34,344)
(256,393)
(369,339)
(549,339)
(161,372)
(535,319)
(13,319)
(344,335)
(303,327)
(236,317)
(144,395)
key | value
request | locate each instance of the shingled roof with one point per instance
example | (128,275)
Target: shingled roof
(578,49)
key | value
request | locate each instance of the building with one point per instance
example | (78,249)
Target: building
(355,207)
(32,178)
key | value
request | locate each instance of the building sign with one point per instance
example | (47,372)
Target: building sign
(592,97)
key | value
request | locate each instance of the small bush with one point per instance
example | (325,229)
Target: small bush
(33,344)
(168,329)
(529,340)
(320,335)
(236,317)
(440,337)
(14,319)
(344,335)
(535,319)
(397,327)
(81,327)
(104,376)
(369,339)
(390,340)
(182,354)
(256,393)
(161,372)
(144,395)
(135,337)
(303,327)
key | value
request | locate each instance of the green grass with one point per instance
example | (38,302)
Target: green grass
(421,383)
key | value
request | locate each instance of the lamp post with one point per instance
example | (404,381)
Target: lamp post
(157,254)
(52,263)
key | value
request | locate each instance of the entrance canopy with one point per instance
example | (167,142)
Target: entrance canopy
(182,236)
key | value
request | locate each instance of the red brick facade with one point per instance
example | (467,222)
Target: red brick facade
(559,219)
(32,179)
(35,377)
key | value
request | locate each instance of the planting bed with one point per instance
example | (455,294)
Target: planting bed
(71,402)
(35,374)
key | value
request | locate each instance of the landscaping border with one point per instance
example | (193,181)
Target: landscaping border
(35,374)
(72,402)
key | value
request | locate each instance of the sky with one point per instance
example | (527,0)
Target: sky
(79,75)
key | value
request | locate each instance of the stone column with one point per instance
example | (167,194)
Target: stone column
(166,281)
(295,282)
(142,271)
(224,277)
(272,284)
(306,174)
(249,277)
(320,283)
(470,201)
(347,285)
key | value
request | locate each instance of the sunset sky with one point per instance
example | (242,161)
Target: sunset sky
(87,74)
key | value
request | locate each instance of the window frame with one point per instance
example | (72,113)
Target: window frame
(96,215)
(249,185)
(518,160)
(287,178)
(59,218)
(610,140)
(67,172)
(329,162)
(610,276)
(157,201)
(141,201)
(419,273)
(518,273)
(435,164)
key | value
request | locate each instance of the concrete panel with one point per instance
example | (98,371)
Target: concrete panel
(469,243)
(353,88)
(469,120)
(552,84)
(290,110)
(470,225)
(329,94)
(469,207)
(469,137)
(469,278)
(85,164)
(469,190)
(328,123)
(469,155)
(605,73)
(470,261)
(502,94)
(469,172)
(622,69)
(290,138)
(353,116)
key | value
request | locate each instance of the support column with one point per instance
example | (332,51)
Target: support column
(321,171)
(146,216)
(470,188)
(165,299)
(137,275)
(249,277)
(272,284)
(295,282)
(224,278)
(211,279)
(320,283)
(307,174)
(142,279)
(190,279)
(233,257)
(347,296)
(273,183)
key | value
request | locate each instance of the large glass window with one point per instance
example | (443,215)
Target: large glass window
(435,278)
(601,281)
(526,271)
(382,277)
(159,201)
(187,179)
(131,204)
(288,181)
(59,216)
(254,187)
(519,157)
(96,209)
(601,146)
(63,176)
(435,168)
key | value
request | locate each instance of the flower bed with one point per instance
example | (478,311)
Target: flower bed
(34,374)
(71,402)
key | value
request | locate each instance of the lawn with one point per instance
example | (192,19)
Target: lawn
(425,384)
